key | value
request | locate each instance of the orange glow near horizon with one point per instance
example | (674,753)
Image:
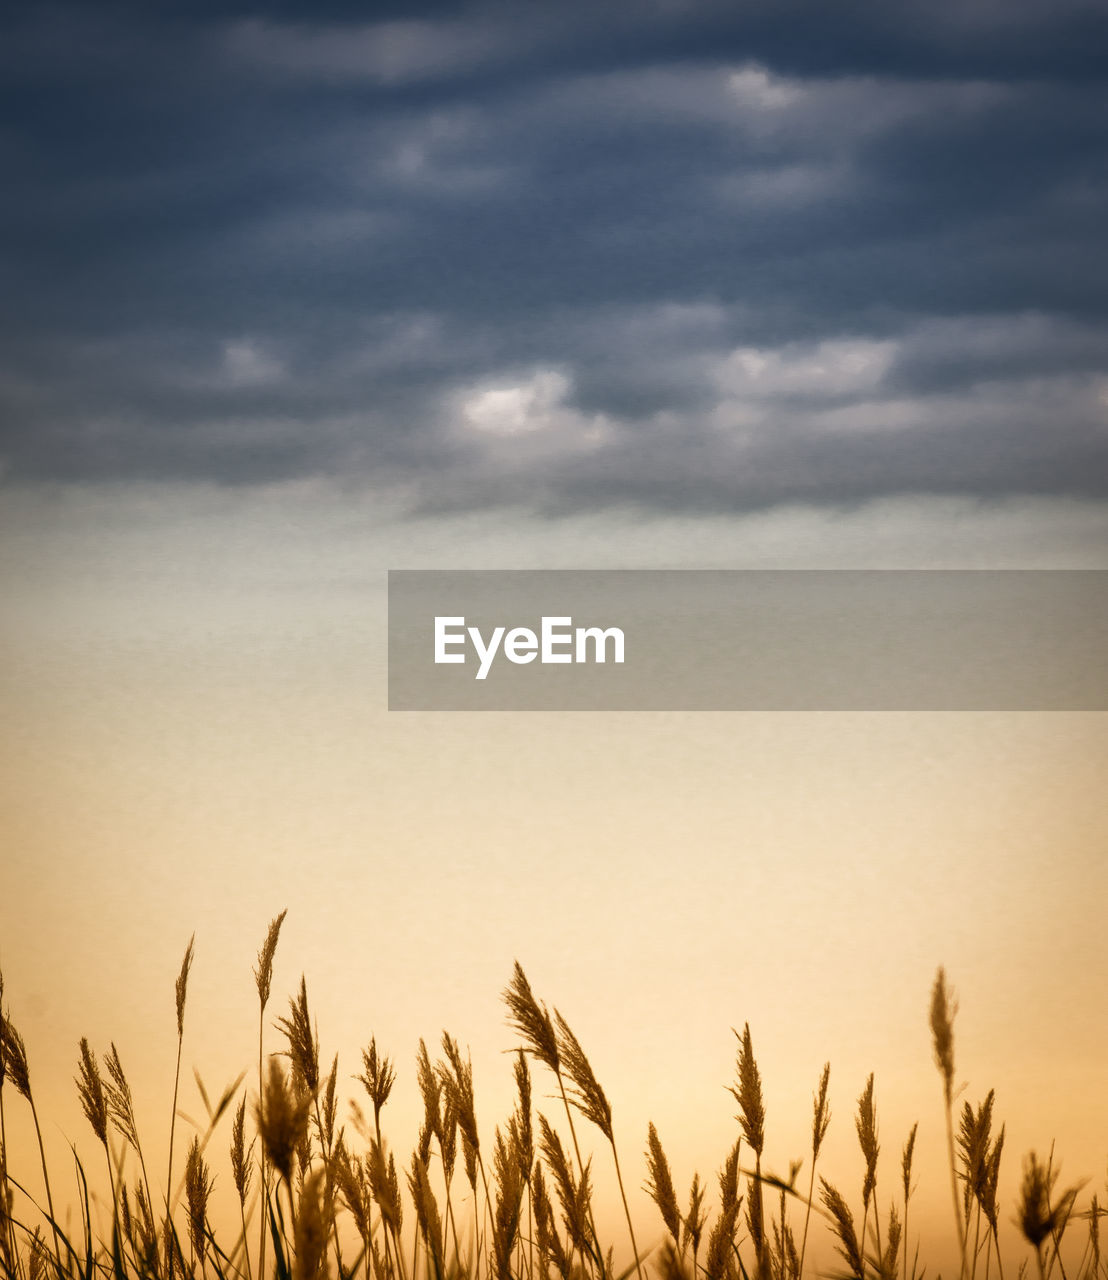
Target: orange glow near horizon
(662,878)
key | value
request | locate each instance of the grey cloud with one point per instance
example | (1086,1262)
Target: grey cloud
(481,255)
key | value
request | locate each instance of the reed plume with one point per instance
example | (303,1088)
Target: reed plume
(980,1168)
(906,1157)
(659,1184)
(752,1117)
(843,1220)
(303,1041)
(574,1195)
(90,1088)
(263,981)
(510,1176)
(547,1239)
(988,1200)
(943,1010)
(866,1126)
(1037,1217)
(94,1101)
(120,1105)
(384,1186)
(181,994)
(353,1186)
(242,1170)
(719,1262)
(282,1119)
(427,1215)
(263,970)
(14,1054)
(885,1261)
(591,1101)
(313,1226)
(821,1119)
(378,1076)
(531,1020)
(693,1226)
(198,1189)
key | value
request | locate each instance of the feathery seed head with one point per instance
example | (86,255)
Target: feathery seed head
(992,1177)
(282,1119)
(843,1219)
(659,1185)
(38,1260)
(263,973)
(974,1132)
(303,1051)
(313,1224)
(120,1106)
(198,1187)
(719,1262)
(351,1182)
(574,1197)
(531,1020)
(456,1076)
(328,1108)
(943,1010)
(585,1091)
(752,1114)
(378,1077)
(240,1154)
(887,1267)
(448,1138)
(523,1112)
(906,1161)
(546,1233)
(431,1091)
(90,1086)
(866,1125)
(182,987)
(821,1112)
(510,1179)
(1038,1218)
(14,1053)
(693,1226)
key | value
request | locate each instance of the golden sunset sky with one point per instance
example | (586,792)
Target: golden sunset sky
(196,738)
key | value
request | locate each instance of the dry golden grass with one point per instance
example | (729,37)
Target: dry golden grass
(326,1205)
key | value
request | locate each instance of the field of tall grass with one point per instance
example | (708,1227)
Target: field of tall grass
(318,1198)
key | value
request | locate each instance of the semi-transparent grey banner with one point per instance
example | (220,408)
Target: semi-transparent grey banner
(810,640)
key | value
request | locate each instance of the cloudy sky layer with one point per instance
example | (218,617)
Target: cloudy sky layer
(684,257)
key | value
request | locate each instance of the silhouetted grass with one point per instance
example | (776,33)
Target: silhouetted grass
(325,1204)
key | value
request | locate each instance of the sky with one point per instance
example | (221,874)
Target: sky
(291,295)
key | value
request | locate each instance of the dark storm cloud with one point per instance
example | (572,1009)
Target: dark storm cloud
(682,256)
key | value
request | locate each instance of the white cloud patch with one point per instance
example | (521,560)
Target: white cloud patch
(517,409)
(531,408)
(809,371)
(832,113)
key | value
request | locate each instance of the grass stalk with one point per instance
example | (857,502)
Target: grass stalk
(46,1181)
